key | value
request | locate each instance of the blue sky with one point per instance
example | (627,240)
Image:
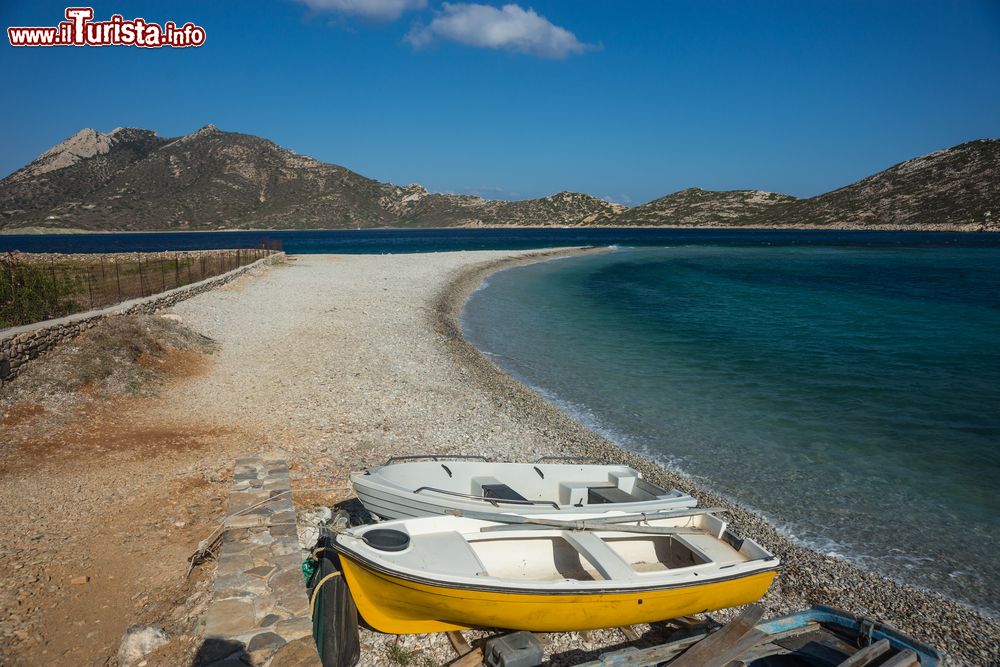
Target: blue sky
(625,100)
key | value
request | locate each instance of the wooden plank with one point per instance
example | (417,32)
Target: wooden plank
(905,658)
(647,657)
(745,643)
(867,655)
(473,658)
(722,641)
(772,645)
(630,632)
(458,642)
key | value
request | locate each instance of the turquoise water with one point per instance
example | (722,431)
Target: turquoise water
(851,394)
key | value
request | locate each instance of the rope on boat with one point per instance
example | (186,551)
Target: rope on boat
(320,550)
(319,585)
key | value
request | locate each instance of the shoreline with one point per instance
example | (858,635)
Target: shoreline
(333,363)
(966,228)
(808,577)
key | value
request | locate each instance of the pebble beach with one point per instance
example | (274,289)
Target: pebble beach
(339,362)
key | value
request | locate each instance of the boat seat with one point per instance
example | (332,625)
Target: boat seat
(599,495)
(714,549)
(435,548)
(627,482)
(501,492)
(603,558)
(576,493)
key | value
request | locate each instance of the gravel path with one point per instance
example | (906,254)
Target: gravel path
(331,359)
(337,362)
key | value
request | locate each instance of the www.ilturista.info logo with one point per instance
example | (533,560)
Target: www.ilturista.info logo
(81,30)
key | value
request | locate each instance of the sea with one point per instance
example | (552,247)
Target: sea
(844,384)
(849,392)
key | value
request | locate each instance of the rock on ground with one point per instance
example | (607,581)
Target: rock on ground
(138,642)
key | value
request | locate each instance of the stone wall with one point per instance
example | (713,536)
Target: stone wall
(20,345)
(259,613)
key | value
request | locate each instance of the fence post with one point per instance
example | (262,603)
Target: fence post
(177,271)
(90,289)
(142,284)
(118,279)
(102,267)
(163,277)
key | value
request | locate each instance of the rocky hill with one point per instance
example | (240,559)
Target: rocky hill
(954,189)
(703,208)
(131,179)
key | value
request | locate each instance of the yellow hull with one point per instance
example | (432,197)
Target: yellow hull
(398,606)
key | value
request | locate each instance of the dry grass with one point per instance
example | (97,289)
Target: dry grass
(121,356)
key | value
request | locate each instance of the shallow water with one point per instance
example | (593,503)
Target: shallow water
(852,394)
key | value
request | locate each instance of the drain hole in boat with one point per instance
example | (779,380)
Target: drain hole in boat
(536,559)
(654,553)
(386,539)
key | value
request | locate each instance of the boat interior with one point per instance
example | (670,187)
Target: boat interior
(538,554)
(526,483)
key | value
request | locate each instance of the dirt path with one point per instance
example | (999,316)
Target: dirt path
(102,515)
(106,499)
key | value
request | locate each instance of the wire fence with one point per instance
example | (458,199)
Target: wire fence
(34,288)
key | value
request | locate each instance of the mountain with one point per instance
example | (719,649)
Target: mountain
(954,189)
(131,179)
(703,208)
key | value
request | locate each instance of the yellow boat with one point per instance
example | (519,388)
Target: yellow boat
(442,573)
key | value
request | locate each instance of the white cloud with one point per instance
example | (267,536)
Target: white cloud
(510,27)
(372,10)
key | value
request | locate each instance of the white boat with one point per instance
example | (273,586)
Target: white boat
(406,488)
(443,573)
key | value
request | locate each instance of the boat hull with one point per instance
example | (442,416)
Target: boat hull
(401,606)
(395,504)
